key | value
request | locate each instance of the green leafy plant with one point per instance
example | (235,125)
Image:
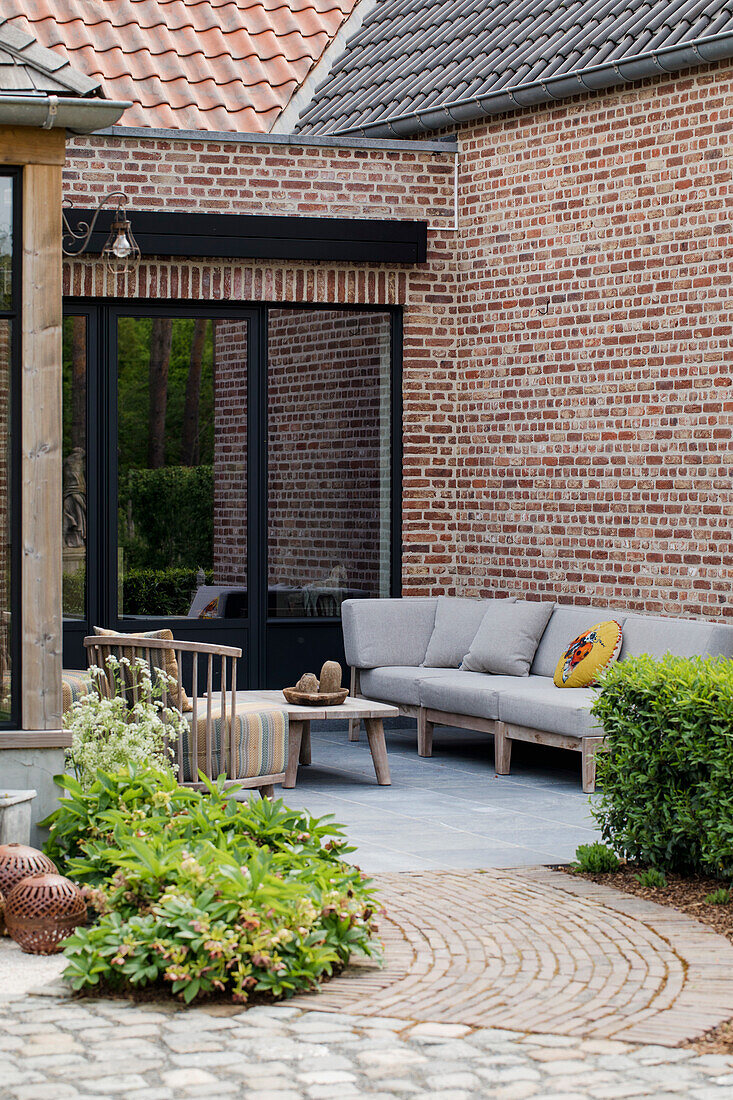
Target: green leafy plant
(667,797)
(595,859)
(653,878)
(719,897)
(203,894)
(110,732)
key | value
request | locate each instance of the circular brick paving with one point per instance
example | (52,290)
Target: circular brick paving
(539,951)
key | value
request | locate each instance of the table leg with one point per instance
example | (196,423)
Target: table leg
(305,744)
(354,724)
(378,749)
(295,737)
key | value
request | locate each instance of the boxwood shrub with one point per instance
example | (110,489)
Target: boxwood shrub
(667,774)
(198,894)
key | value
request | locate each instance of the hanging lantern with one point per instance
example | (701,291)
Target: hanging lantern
(120,252)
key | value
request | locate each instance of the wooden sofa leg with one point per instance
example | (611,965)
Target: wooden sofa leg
(268,791)
(424,734)
(502,750)
(589,748)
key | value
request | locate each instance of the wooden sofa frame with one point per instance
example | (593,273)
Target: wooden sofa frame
(504,734)
(99,647)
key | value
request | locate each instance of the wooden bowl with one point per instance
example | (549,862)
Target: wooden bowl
(315,698)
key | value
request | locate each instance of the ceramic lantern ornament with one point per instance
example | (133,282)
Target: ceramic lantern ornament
(17,861)
(42,910)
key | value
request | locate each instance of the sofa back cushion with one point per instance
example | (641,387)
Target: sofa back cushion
(387,632)
(680,637)
(566,624)
(456,622)
(506,641)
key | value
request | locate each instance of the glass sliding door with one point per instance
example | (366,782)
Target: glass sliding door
(75,478)
(181,468)
(228,474)
(329,493)
(9,460)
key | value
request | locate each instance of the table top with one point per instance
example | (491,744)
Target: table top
(350,708)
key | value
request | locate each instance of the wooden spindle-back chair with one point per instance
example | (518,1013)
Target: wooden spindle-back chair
(217,712)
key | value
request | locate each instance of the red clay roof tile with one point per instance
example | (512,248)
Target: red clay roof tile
(189,64)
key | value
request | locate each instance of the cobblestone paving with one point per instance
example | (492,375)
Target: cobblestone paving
(501,984)
(101,1050)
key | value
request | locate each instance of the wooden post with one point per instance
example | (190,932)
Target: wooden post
(41,510)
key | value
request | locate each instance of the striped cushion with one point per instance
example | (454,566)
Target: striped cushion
(74,684)
(260,742)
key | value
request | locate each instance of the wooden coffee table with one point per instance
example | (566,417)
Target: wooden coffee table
(300,728)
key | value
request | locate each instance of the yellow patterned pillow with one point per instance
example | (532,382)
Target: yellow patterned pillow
(587,655)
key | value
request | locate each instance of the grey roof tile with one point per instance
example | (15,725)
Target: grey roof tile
(422,55)
(26,67)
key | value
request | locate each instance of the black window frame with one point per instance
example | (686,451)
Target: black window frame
(102,485)
(15,528)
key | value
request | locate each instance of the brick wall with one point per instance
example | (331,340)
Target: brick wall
(593,451)
(339,182)
(583,452)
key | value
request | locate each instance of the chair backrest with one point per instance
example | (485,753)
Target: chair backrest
(220,670)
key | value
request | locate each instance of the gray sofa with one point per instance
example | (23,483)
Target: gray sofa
(391,647)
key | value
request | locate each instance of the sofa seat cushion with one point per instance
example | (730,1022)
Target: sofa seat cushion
(538,704)
(75,684)
(472,693)
(396,684)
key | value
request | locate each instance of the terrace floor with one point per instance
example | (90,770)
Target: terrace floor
(502,978)
(448,811)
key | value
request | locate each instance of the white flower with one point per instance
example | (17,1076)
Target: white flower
(109,734)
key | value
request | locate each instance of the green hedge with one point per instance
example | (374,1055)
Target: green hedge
(159,591)
(667,774)
(168,517)
(144,591)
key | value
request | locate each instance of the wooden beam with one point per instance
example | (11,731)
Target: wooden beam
(31,145)
(35,739)
(41,524)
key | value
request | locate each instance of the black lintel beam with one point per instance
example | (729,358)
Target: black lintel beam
(266,236)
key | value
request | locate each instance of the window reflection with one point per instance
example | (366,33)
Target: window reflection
(6,242)
(5,522)
(182,408)
(74,467)
(328,460)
